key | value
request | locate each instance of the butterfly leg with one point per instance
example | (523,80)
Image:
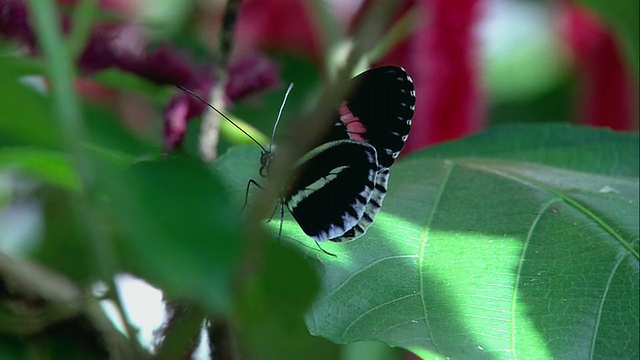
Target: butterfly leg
(274,211)
(281,220)
(246,193)
(323,250)
(280,231)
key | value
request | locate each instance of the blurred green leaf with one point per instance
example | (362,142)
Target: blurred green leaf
(556,104)
(177,228)
(26,117)
(105,131)
(65,247)
(370,350)
(46,165)
(504,242)
(272,306)
(11,348)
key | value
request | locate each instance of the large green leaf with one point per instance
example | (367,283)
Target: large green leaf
(519,241)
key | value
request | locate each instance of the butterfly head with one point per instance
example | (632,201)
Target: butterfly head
(265,160)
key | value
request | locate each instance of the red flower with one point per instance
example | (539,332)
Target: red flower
(284,25)
(607,93)
(14,22)
(441,56)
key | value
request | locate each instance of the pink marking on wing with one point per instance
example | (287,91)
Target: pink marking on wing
(355,127)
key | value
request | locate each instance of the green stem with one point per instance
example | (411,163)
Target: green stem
(83,16)
(60,71)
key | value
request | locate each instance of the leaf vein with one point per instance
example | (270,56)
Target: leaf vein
(362,269)
(379,334)
(518,275)
(429,220)
(567,199)
(346,330)
(601,306)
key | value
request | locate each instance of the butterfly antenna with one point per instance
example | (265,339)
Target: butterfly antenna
(275,126)
(223,115)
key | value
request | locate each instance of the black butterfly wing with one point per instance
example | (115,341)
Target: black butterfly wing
(371,210)
(378,111)
(331,189)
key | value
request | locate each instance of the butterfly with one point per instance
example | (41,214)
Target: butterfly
(337,188)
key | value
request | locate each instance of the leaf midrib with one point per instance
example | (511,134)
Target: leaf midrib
(518,274)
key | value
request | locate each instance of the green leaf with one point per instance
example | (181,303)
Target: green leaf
(65,246)
(583,149)
(271,309)
(176,228)
(26,115)
(519,241)
(50,166)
